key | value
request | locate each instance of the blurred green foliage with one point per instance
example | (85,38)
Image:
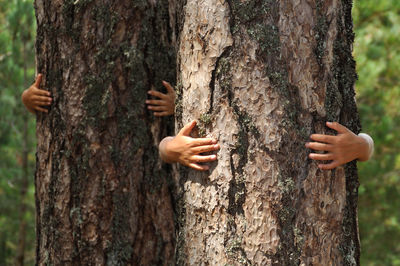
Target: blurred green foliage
(377,52)
(17,31)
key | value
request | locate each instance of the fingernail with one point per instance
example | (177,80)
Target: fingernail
(216,146)
(329,123)
(307,144)
(147,101)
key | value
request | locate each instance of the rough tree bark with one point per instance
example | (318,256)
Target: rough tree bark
(102,195)
(261,76)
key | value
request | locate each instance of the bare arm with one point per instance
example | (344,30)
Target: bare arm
(340,149)
(187,150)
(34,98)
(165,104)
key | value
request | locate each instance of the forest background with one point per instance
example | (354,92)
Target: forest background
(376,50)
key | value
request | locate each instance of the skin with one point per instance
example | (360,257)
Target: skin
(187,150)
(340,149)
(35,98)
(165,104)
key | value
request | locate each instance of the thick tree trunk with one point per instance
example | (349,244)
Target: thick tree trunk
(102,195)
(261,76)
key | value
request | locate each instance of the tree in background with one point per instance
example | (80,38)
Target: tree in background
(261,76)
(16,134)
(102,193)
(377,50)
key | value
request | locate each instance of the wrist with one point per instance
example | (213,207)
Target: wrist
(23,96)
(368,147)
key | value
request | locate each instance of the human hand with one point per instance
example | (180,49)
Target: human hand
(33,97)
(342,148)
(187,150)
(166,103)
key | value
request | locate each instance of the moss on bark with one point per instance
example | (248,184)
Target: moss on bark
(99,60)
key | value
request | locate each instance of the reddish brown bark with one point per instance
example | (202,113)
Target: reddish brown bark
(102,194)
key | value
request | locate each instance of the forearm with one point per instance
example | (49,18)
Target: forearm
(367,147)
(163,150)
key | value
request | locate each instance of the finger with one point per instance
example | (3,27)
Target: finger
(157,94)
(41,98)
(323,138)
(319,146)
(40,109)
(156,102)
(157,108)
(185,131)
(328,166)
(41,103)
(38,80)
(336,126)
(165,113)
(203,141)
(40,92)
(199,167)
(206,148)
(203,158)
(168,86)
(321,157)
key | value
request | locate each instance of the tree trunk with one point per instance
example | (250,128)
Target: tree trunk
(261,76)
(102,194)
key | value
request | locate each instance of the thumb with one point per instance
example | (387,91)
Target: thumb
(38,80)
(185,131)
